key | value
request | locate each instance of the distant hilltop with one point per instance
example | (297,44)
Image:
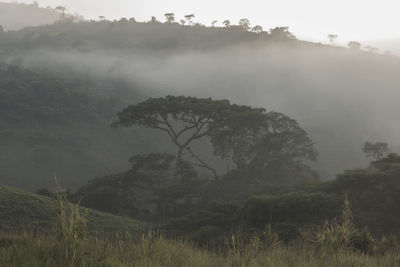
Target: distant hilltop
(15,16)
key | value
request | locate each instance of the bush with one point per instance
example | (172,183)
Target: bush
(296,209)
(341,234)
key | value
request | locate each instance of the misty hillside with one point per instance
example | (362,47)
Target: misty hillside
(341,97)
(389,45)
(15,16)
(167,142)
(58,124)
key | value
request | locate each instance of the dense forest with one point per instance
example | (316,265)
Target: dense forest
(202,133)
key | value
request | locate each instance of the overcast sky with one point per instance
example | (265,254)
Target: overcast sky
(308,19)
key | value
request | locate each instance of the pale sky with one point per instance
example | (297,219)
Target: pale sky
(308,19)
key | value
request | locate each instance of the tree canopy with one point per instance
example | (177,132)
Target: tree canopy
(246,135)
(255,138)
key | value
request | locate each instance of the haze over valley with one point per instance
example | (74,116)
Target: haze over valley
(224,134)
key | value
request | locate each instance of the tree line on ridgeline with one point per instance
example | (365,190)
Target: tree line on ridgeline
(243,24)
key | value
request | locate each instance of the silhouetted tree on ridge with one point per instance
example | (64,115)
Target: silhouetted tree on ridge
(354,45)
(227,23)
(245,24)
(170,17)
(189,18)
(332,38)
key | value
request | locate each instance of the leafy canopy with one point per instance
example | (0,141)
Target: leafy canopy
(184,119)
(249,136)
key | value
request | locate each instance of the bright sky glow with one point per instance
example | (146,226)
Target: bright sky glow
(308,19)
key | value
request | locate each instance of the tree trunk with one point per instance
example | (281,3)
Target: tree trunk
(178,161)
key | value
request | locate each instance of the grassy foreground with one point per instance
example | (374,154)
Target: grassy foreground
(72,243)
(27,250)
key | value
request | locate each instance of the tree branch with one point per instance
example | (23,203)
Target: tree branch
(203,164)
(165,119)
(184,130)
(195,135)
(172,137)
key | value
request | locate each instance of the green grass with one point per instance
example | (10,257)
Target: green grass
(71,245)
(24,250)
(21,210)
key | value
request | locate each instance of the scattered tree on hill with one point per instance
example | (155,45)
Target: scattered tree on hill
(153,20)
(227,23)
(213,23)
(102,18)
(282,33)
(189,18)
(244,24)
(170,17)
(332,38)
(182,22)
(62,10)
(376,151)
(132,20)
(257,29)
(354,45)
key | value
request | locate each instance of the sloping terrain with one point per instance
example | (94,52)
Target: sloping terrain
(21,210)
(341,97)
(15,16)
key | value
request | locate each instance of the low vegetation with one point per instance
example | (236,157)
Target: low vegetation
(334,244)
(21,210)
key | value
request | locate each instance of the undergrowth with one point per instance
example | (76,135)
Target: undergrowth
(336,243)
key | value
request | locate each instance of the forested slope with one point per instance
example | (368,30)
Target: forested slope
(333,92)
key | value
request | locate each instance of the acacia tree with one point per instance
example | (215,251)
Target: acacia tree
(332,38)
(62,10)
(170,17)
(183,119)
(250,137)
(213,23)
(189,19)
(244,24)
(226,23)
